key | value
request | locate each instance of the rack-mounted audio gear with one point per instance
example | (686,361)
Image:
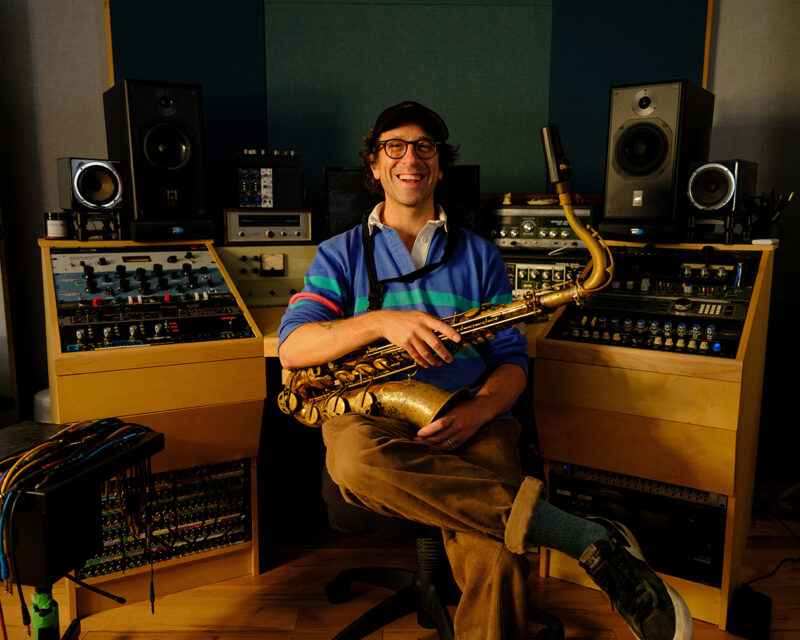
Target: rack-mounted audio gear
(692,301)
(537,227)
(267,276)
(135,296)
(528,272)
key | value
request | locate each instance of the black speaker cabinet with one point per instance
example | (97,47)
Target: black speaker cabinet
(89,185)
(655,131)
(156,131)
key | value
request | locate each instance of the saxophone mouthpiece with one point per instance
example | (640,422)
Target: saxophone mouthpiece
(558,167)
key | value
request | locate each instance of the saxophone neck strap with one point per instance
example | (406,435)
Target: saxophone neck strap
(378,287)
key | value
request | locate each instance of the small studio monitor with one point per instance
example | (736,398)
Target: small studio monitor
(89,185)
(156,131)
(719,194)
(655,131)
(721,187)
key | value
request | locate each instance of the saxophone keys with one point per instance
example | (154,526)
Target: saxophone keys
(288,401)
(336,406)
(365,403)
(311,414)
(365,369)
(344,376)
(382,364)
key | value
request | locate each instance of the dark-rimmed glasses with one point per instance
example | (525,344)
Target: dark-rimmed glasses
(396,148)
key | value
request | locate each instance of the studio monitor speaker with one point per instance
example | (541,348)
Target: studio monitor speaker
(655,132)
(721,197)
(156,131)
(718,188)
(89,185)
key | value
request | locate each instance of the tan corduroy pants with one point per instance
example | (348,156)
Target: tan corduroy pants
(476,494)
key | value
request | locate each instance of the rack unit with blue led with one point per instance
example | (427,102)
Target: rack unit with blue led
(691,301)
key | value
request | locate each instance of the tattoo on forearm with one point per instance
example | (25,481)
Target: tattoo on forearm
(329,324)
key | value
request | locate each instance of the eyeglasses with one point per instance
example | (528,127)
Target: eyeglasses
(396,148)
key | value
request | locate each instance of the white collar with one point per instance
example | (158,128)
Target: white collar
(374,221)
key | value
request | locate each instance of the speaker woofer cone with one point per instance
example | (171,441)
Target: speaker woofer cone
(167,147)
(711,187)
(641,149)
(97,185)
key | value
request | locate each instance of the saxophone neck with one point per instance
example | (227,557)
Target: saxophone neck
(602,262)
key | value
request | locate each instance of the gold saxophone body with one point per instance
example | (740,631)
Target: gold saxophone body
(357,382)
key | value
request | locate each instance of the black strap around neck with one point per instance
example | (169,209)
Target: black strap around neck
(377,287)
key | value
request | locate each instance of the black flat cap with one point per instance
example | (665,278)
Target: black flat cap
(412,112)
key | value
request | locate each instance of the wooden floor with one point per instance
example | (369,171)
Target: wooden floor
(287,600)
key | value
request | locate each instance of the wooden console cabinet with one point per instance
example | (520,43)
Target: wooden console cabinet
(206,397)
(675,418)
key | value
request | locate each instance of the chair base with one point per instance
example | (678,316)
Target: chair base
(427,591)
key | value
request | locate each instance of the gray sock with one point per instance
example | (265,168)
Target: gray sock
(551,527)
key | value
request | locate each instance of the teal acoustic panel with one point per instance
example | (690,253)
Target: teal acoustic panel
(220,48)
(484,67)
(599,44)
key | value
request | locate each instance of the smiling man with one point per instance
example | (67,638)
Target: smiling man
(393,278)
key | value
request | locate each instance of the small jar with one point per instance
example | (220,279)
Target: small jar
(56,225)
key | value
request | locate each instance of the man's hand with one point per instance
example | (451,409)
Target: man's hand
(414,332)
(454,428)
(462,421)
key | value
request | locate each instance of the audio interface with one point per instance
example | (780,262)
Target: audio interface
(527,272)
(267,227)
(692,301)
(537,227)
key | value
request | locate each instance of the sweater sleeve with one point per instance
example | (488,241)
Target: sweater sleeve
(325,294)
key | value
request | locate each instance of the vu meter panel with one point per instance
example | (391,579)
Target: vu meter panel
(126,297)
(680,300)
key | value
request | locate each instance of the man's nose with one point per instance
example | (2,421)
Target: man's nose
(411,153)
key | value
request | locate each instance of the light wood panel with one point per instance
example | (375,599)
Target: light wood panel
(205,435)
(673,452)
(133,391)
(678,398)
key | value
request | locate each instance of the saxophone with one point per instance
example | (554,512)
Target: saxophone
(357,382)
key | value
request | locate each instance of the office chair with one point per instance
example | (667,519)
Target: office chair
(428,590)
